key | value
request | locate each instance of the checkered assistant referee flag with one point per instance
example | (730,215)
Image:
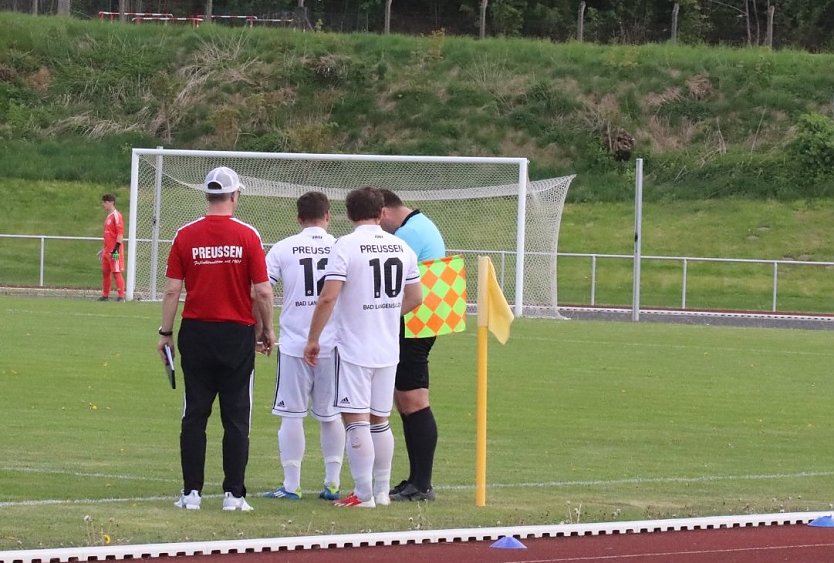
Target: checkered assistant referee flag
(444,299)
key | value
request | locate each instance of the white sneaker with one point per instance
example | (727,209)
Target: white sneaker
(231,502)
(190,501)
(382,499)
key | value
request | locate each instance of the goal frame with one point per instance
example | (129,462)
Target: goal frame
(159,153)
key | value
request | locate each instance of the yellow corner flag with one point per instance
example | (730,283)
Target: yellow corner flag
(493,310)
(494,315)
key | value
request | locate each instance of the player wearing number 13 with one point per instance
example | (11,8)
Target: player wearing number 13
(370,281)
(298,263)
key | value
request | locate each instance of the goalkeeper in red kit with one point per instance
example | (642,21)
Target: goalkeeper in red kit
(111,254)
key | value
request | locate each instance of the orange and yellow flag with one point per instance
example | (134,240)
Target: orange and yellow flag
(443,310)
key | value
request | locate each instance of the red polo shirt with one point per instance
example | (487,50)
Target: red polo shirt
(219,258)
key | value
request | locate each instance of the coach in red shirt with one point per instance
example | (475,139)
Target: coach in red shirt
(221,261)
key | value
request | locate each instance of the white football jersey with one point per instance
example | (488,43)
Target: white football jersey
(299,263)
(376,267)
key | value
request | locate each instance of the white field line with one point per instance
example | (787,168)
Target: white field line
(115,477)
(649,480)
(549,484)
(472,335)
(30,313)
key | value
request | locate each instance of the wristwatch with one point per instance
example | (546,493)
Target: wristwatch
(165,332)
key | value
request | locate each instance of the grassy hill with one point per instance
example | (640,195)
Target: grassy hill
(76,95)
(739,157)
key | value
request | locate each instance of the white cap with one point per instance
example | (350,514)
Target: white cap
(222,180)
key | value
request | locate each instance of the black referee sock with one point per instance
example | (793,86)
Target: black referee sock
(408,447)
(423,436)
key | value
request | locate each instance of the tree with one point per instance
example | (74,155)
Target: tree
(482,19)
(507,17)
(742,10)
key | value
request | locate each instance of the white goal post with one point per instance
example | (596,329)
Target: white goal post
(482,206)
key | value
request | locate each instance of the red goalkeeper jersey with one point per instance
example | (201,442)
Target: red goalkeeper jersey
(114,226)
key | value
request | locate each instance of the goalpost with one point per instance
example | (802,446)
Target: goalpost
(482,206)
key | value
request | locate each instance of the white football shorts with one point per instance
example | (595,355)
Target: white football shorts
(300,387)
(361,389)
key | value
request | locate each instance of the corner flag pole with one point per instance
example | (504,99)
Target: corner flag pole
(480,440)
(481,394)
(494,315)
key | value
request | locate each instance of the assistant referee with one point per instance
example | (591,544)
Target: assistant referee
(221,263)
(411,394)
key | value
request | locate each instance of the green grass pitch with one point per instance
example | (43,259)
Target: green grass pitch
(588,421)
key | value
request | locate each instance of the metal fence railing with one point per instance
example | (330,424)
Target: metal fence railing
(685,261)
(503,258)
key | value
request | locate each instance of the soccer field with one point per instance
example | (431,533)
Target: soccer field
(588,421)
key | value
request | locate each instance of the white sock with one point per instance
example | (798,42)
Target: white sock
(333,450)
(360,451)
(291,444)
(383,440)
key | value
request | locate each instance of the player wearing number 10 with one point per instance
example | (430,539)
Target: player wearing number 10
(298,262)
(370,281)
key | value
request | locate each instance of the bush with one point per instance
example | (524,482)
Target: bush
(813,147)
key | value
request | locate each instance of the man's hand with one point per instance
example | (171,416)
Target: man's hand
(266,341)
(114,255)
(160,347)
(311,353)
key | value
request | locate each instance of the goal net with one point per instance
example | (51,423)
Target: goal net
(474,201)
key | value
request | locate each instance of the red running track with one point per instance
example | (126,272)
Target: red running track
(761,544)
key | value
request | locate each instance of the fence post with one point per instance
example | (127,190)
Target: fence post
(482,20)
(580,24)
(593,280)
(638,240)
(683,289)
(43,251)
(775,283)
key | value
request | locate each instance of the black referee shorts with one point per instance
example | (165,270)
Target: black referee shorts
(413,369)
